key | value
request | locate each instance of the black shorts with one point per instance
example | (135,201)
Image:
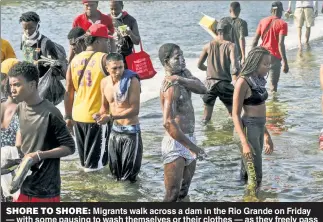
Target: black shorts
(223,90)
(125,155)
(92,144)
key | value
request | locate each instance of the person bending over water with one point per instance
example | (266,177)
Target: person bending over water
(179,147)
(250,95)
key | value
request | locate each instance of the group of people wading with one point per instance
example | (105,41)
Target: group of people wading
(102,99)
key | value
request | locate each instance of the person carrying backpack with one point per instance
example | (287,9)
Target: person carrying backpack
(35,45)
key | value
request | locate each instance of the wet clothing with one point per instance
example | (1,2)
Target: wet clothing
(172,150)
(8,136)
(274,72)
(25,198)
(43,128)
(83,22)
(222,61)
(87,100)
(125,152)
(34,53)
(239,31)
(270,40)
(124,44)
(251,170)
(92,144)
(6,50)
(259,93)
(121,94)
(222,89)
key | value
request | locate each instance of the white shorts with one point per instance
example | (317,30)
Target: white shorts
(171,150)
(302,15)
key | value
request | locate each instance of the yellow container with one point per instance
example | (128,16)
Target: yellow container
(209,24)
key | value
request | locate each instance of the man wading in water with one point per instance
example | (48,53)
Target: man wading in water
(121,97)
(178,147)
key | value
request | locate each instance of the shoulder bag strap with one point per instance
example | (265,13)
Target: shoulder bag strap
(268,27)
(85,65)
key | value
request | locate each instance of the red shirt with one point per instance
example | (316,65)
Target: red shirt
(271,40)
(83,22)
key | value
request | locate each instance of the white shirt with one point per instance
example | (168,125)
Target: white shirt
(305,4)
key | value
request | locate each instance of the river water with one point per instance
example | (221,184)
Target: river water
(294,172)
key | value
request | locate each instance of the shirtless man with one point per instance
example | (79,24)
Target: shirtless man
(121,99)
(179,147)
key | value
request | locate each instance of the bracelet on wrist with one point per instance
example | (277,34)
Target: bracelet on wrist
(39,159)
(66,117)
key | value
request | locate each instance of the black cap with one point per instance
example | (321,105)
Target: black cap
(276,5)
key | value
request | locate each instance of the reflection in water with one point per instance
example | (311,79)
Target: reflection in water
(305,59)
(276,116)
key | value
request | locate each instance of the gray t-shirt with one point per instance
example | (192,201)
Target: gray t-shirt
(42,128)
(239,30)
(222,61)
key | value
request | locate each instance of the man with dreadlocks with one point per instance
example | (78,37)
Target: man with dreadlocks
(76,40)
(272,31)
(179,147)
(222,63)
(250,95)
(34,44)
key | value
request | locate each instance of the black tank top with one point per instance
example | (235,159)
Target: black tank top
(259,93)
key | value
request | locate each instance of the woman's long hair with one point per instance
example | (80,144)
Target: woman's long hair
(253,60)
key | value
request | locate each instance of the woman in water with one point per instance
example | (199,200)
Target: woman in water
(250,95)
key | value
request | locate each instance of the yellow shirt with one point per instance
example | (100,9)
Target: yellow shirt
(88,96)
(6,50)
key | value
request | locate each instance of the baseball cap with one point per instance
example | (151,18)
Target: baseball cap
(223,24)
(7,64)
(99,30)
(276,5)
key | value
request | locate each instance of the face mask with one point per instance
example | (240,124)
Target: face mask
(118,16)
(33,35)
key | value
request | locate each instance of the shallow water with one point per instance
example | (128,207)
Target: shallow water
(293,173)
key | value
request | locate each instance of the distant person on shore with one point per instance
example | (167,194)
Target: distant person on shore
(250,95)
(321,81)
(83,98)
(121,98)
(272,30)
(239,30)
(305,12)
(222,67)
(125,37)
(179,147)
(91,16)
(34,44)
(43,133)
(76,39)
(6,50)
